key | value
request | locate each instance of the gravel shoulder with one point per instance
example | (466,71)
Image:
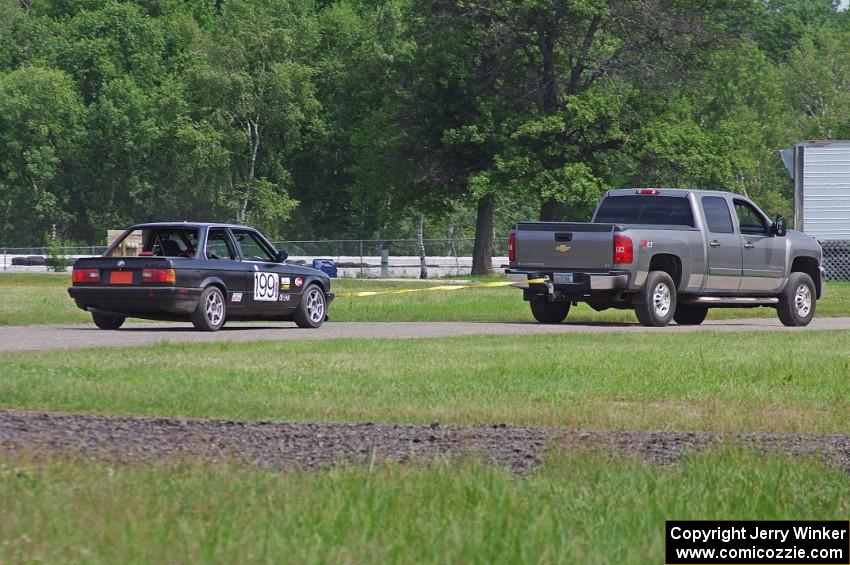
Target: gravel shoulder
(293,445)
(76,336)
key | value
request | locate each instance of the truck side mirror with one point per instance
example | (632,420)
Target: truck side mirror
(282,256)
(780,226)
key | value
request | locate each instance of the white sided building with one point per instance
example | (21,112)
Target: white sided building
(821,174)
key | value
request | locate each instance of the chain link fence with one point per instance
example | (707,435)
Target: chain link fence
(364,254)
(367,252)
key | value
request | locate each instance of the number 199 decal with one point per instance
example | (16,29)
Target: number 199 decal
(266,286)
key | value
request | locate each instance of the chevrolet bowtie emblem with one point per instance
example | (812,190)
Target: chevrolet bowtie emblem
(563,249)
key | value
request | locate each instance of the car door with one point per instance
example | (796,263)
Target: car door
(724,246)
(763,254)
(222,261)
(264,275)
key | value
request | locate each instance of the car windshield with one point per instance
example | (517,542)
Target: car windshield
(156,242)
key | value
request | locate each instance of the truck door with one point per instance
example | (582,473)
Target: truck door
(724,246)
(223,261)
(764,255)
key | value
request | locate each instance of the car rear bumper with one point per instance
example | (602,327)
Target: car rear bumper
(136,300)
(584,282)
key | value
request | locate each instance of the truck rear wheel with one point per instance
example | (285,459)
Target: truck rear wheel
(655,304)
(797,303)
(690,314)
(547,312)
(106,321)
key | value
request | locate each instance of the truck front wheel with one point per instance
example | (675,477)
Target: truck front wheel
(655,304)
(547,312)
(797,303)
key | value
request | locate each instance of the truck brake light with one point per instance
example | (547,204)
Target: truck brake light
(85,275)
(623,250)
(648,191)
(512,247)
(162,276)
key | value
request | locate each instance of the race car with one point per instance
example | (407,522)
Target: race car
(206,273)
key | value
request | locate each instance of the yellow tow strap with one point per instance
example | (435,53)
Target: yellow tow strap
(438,288)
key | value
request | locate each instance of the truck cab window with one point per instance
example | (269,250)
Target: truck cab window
(750,221)
(219,245)
(717,216)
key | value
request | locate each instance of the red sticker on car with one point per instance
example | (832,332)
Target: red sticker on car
(299,281)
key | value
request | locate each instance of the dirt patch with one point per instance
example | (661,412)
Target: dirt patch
(290,445)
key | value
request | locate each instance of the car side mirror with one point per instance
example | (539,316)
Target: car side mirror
(282,256)
(780,226)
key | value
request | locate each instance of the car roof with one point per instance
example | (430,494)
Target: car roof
(187,224)
(675,192)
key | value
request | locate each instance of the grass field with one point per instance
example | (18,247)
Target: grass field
(40,298)
(579,508)
(768,381)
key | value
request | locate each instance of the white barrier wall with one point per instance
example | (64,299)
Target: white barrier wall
(401,267)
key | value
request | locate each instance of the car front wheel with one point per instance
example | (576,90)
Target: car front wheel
(210,313)
(313,308)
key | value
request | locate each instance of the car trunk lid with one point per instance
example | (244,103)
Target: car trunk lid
(116,271)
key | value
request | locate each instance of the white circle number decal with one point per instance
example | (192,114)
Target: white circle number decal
(266,286)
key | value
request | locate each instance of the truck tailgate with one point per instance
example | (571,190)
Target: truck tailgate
(564,245)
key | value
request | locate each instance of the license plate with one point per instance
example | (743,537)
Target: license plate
(121,277)
(563,278)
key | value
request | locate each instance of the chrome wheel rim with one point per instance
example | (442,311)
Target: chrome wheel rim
(803,300)
(214,308)
(315,305)
(661,300)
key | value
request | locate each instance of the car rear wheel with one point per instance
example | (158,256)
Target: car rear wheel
(797,303)
(107,321)
(547,312)
(313,309)
(690,314)
(656,301)
(210,313)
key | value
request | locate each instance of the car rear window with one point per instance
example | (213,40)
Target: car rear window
(653,210)
(156,242)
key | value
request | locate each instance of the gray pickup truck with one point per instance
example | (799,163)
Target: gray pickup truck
(670,254)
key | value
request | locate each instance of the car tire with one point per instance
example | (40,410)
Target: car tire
(797,304)
(107,321)
(210,314)
(313,308)
(690,314)
(547,312)
(655,304)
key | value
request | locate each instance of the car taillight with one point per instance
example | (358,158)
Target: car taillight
(647,191)
(162,276)
(512,247)
(85,275)
(623,250)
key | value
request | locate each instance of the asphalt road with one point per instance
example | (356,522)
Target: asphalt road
(75,336)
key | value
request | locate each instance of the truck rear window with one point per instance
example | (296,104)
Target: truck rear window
(650,210)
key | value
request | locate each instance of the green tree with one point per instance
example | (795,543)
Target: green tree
(40,127)
(254,86)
